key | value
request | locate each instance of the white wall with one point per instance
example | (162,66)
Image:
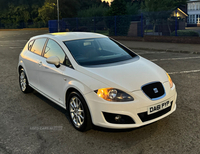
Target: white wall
(193,11)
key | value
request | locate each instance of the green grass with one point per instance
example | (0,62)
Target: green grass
(148,31)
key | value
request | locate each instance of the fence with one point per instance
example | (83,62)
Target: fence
(20,25)
(164,23)
(110,25)
(146,23)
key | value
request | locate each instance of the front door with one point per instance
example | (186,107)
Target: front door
(51,78)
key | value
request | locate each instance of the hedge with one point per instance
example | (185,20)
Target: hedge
(185,33)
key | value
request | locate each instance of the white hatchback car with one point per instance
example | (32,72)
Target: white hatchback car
(97,80)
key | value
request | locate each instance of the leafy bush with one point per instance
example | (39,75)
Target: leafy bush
(132,8)
(47,12)
(185,33)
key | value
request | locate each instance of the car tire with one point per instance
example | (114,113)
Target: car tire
(23,82)
(78,112)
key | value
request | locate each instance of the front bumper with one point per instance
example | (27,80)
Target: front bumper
(132,109)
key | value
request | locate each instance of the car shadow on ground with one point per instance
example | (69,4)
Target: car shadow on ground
(97,128)
(117,130)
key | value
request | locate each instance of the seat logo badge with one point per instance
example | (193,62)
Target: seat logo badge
(155,90)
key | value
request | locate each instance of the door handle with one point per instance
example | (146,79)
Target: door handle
(40,62)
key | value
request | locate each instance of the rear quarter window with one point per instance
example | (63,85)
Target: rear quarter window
(38,46)
(30,45)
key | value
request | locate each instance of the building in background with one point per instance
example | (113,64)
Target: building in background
(193,10)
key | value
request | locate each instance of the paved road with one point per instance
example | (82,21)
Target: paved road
(31,124)
(161,46)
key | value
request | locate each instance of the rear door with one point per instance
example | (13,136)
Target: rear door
(32,60)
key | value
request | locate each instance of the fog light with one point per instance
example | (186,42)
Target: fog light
(118,118)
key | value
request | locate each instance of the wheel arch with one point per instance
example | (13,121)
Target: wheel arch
(71,89)
(28,89)
(19,68)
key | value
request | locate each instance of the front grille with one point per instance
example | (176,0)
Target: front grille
(145,117)
(154,90)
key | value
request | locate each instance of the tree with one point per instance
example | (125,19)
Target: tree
(16,14)
(68,8)
(118,7)
(105,4)
(93,11)
(93,17)
(47,12)
(164,5)
(86,4)
(121,22)
(32,11)
(132,8)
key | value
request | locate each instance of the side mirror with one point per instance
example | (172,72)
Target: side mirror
(53,60)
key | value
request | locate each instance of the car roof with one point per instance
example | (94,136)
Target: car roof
(67,36)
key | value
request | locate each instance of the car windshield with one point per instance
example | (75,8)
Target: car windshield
(97,51)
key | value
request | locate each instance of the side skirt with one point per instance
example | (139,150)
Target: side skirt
(50,98)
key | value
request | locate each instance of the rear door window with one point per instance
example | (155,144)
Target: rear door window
(38,46)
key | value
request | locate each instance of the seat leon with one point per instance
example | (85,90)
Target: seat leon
(97,80)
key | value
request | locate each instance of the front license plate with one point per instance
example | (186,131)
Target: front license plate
(158,107)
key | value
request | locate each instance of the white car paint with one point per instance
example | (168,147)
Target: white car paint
(128,76)
(122,76)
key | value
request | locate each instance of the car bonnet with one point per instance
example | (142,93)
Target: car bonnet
(130,76)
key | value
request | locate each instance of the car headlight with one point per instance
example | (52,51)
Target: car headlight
(170,81)
(114,95)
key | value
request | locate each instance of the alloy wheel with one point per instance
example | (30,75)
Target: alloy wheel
(76,111)
(23,81)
